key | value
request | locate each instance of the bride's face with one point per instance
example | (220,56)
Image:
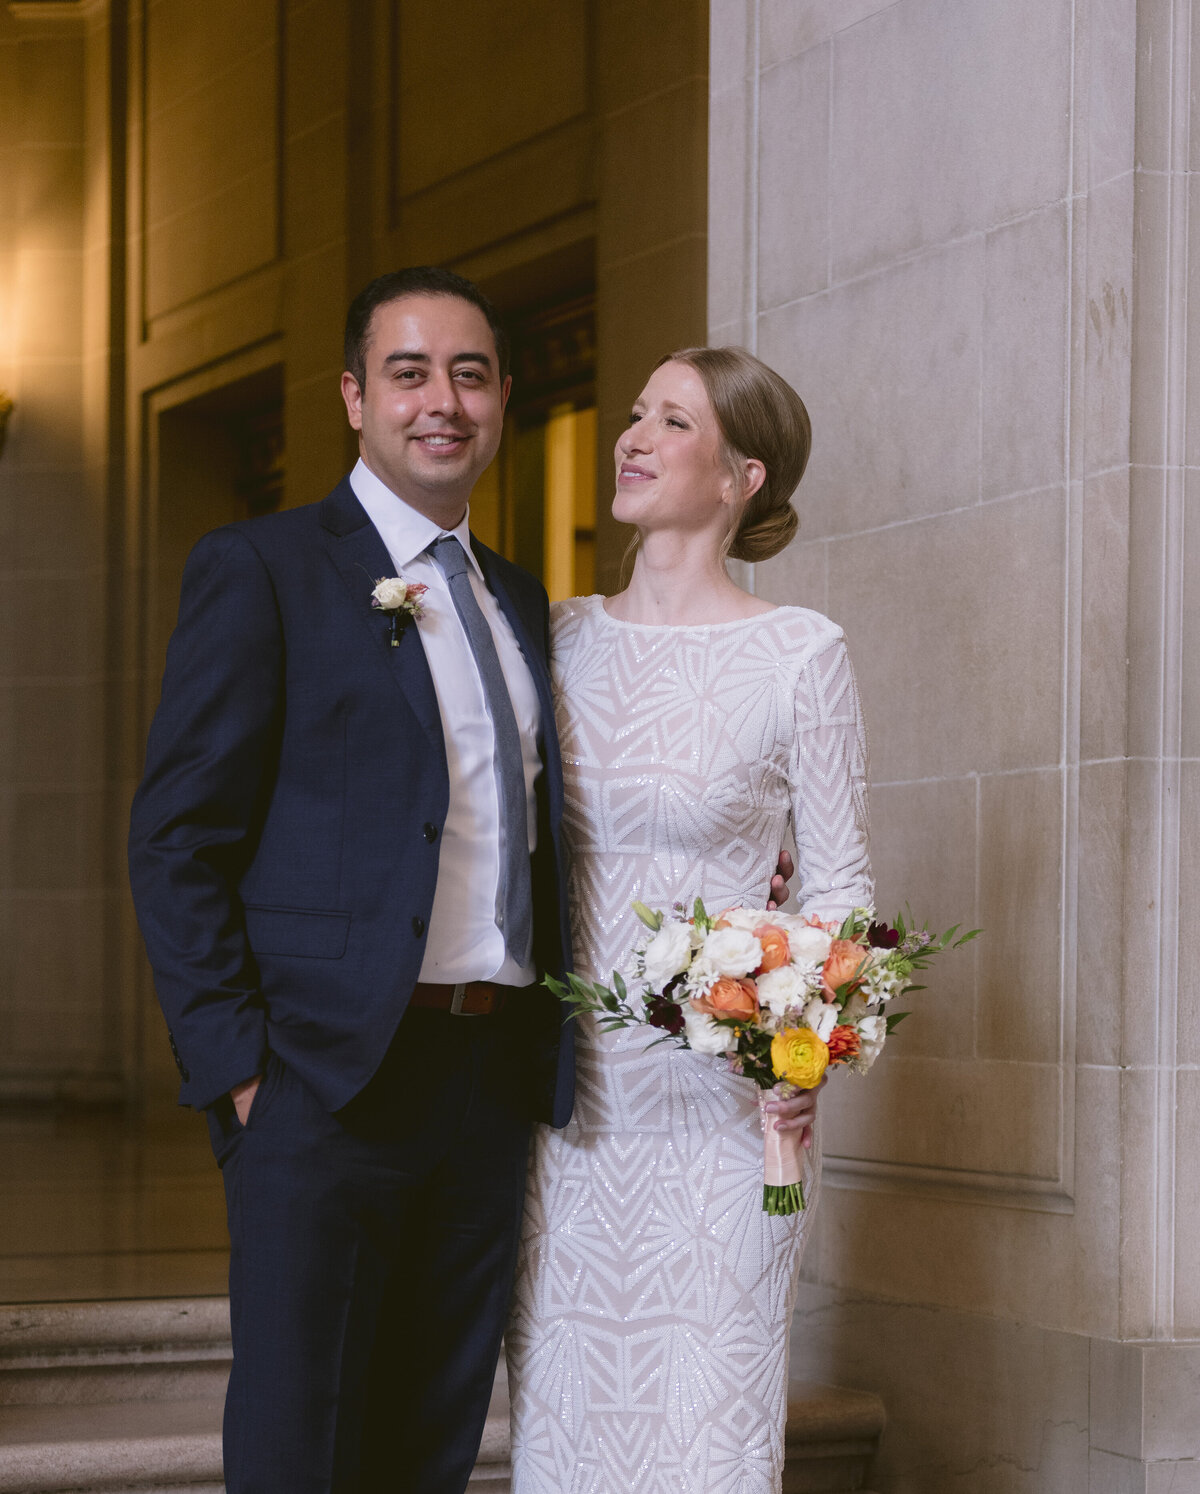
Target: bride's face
(669,469)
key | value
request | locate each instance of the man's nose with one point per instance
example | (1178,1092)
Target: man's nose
(442,395)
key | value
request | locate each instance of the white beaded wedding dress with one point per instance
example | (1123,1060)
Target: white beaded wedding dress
(647,1349)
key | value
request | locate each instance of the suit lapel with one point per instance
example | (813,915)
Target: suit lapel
(362,559)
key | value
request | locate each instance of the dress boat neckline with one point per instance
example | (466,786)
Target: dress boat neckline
(597,601)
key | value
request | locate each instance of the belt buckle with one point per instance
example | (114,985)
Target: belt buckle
(456,1001)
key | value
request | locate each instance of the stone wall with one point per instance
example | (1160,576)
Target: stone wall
(189,195)
(961,229)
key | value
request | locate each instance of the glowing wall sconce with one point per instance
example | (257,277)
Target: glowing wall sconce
(6,409)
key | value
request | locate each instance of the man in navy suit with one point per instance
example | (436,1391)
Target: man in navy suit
(346,862)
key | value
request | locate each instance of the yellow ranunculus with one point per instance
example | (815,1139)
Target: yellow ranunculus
(799,1056)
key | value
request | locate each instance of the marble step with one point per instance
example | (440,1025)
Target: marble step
(126,1398)
(832,1436)
(87,1352)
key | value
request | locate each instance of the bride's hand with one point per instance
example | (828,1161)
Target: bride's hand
(798,1113)
(780,890)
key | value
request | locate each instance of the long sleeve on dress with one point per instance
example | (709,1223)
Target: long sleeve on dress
(828,777)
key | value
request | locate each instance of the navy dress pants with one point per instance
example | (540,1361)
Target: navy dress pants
(372,1258)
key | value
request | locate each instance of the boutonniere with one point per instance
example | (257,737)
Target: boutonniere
(398,599)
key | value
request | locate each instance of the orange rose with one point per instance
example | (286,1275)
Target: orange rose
(729,997)
(843,963)
(843,1044)
(775,947)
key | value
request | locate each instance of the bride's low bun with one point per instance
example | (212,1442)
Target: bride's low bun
(760,416)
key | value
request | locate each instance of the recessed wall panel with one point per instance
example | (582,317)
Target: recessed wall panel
(467,91)
(211,189)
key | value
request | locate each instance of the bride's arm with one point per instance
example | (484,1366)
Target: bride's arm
(828,778)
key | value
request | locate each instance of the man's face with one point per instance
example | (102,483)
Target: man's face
(431,415)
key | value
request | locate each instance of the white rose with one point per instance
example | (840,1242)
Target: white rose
(704,1036)
(667,953)
(854,1010)
(744,918)
(731,952)
(809,946)
(821,1016)
(391,592)
(871,1034)
(779,989)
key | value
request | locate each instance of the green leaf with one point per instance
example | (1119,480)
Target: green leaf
(894,1019)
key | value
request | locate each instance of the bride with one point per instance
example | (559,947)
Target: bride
(648,1345)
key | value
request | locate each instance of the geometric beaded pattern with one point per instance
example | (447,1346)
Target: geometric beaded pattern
(649,1337)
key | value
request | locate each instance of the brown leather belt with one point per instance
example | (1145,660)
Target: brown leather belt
(472,998)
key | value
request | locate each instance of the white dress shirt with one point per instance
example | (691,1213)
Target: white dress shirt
(463,941)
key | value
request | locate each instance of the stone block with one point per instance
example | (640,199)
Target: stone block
(793,178)
(1020,906)
(665,129)
(889,367)
(915,165)
(1099,989)
(730,233)
(1111,42)
(996,1119)
(503,89)
(1026,353)
(790,27)
(924,852)
(1100,405)
(799,575)
(1104,514)
(671,48)
(946,682)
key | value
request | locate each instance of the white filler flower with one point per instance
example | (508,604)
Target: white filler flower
(704,1036)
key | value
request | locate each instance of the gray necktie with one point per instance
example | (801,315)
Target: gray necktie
(514,899)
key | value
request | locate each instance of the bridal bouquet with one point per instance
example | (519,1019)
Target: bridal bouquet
(779,997)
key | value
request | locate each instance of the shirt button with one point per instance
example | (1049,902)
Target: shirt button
(418,926)
(430,833)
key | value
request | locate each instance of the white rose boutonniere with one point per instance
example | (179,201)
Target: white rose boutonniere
(398,599)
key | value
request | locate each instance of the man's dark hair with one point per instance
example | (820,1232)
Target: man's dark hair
(417,280)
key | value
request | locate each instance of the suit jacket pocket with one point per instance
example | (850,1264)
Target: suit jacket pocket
(297,931)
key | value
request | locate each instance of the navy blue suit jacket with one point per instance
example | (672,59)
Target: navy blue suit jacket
(284,841)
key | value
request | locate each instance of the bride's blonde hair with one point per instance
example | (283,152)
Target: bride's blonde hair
(761,417)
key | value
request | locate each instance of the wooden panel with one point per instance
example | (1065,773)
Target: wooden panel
(465,92)
(211,186)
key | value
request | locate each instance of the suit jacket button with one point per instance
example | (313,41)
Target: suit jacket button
(418,926)
(430,833)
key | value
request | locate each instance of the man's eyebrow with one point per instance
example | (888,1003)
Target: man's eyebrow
(406,356)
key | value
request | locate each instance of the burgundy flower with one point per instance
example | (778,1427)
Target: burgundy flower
(661,1012)
(880,936)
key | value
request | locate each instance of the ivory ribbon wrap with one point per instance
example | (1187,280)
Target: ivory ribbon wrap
(783,1153)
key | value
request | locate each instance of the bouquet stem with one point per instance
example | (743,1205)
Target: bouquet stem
(783,1199)
(783,1163)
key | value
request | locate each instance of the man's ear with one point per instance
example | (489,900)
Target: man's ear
(505,391)
(352,394)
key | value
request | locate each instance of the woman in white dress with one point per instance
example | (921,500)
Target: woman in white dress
(648,1344)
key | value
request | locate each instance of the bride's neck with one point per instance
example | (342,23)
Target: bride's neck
(677,582)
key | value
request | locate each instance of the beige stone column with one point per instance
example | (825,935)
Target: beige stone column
(962,230)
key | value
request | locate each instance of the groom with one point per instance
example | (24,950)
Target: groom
(346,862)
